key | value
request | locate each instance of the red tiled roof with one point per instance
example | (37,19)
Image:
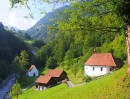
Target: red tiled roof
(101,59)
(43,79)
(31,67)
(54,73)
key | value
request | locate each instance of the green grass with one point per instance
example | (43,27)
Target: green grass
(103,88)
(79,77)
(34,94)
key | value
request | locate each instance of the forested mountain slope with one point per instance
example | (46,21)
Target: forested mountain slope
(18,33)
(10,46)
(80,29)
(40,29)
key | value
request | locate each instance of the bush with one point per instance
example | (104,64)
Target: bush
(87,78)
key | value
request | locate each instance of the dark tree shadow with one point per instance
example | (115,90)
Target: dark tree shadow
(119,62)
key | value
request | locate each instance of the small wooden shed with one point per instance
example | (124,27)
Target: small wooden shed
(44,81)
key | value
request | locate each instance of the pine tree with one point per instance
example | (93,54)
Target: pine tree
(23,61)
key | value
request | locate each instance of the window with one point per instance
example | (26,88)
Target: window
(101,68)
(110,69)
(93,68)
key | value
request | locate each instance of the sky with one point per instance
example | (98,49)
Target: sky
(16,17)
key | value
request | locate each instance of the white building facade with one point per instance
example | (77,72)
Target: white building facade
(96,70)
(99,64)
(32,72)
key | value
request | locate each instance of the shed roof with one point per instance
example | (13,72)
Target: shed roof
(101,59)
(43,79)
(32,66)
(54,73)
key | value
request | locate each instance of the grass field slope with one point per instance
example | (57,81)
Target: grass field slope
(112,86)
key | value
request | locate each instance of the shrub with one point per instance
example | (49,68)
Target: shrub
(87,78)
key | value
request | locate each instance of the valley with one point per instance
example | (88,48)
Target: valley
(77,51)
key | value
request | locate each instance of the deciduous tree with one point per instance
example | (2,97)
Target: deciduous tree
(75,69)
(15,90)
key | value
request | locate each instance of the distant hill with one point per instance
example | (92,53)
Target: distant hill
(40,29)
(18,33)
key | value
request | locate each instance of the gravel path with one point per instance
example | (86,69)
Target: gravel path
(70,84)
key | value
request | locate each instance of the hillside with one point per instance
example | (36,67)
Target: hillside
(40,29)
(108,87)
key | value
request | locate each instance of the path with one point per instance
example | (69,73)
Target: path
(70,84)
(6,87)
(80,84)
(28,87)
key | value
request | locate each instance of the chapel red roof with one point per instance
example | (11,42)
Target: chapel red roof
(31,67)
(54,73)
(43,79)
(101,59)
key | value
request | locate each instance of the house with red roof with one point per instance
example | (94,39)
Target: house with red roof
(59,75)
(99,64)
(44,81)
(32,71)
(52,77)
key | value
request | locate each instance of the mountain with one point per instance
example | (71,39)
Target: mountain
(40,29)
(18,33)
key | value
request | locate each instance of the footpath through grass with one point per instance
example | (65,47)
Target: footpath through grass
(103,88)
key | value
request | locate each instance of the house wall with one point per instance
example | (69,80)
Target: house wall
(32,72)
(40,86)
(96,70)
(51,82)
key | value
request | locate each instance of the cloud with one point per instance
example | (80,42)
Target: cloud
(15,17)
(20,22)
(12,19)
